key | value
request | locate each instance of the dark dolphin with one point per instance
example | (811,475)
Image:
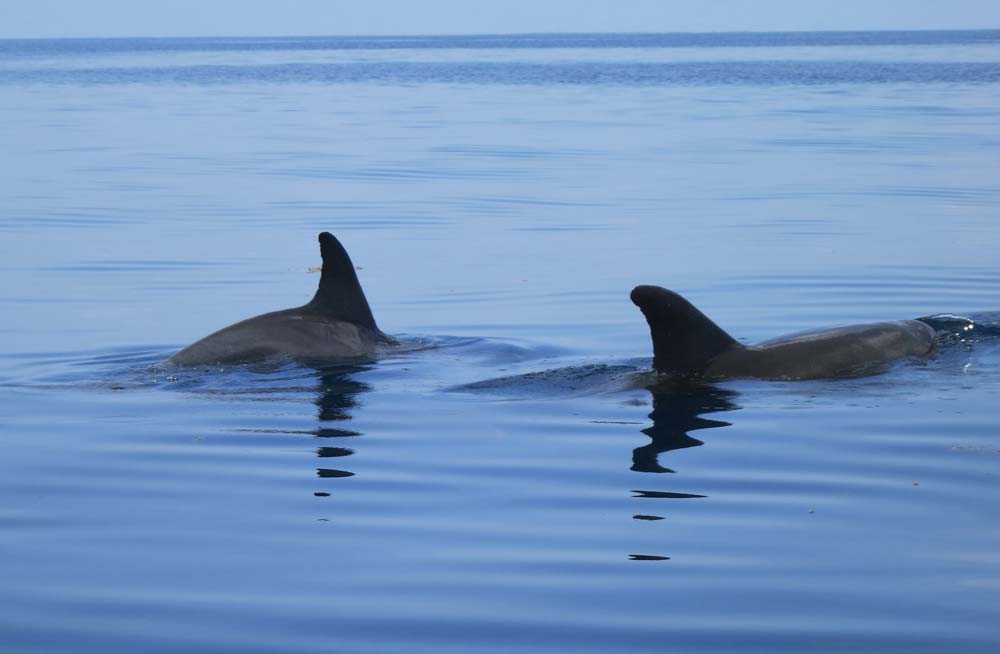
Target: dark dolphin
(687,342)
(336,324)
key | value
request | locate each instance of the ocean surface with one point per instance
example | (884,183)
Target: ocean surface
(504,481)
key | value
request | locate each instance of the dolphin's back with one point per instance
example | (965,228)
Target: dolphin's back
(686,342)
(336,324)
(293,333)
(837,352)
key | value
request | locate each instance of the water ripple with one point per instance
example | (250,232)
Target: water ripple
(726,73)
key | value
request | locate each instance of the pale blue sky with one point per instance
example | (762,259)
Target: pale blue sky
(57,18)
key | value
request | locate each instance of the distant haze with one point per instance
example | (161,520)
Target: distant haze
(72,18)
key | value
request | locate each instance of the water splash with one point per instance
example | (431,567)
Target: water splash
(952,327)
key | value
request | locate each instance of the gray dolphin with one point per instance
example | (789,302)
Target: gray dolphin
(336,324)
(687,342)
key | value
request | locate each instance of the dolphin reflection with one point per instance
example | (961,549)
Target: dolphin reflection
(336,398)
(338,391)
(677,410)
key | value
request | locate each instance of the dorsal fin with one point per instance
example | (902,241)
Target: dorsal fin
(339,295)
(684,339)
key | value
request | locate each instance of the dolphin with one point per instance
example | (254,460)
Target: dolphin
(687,343)
(336,324)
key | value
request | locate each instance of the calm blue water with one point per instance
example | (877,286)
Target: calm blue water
(504,482)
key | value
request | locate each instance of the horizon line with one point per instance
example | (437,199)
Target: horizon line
(498,34)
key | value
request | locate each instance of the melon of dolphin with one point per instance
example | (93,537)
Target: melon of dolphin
(687,342)
(336,324)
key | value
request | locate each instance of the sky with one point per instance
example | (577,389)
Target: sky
(82,18)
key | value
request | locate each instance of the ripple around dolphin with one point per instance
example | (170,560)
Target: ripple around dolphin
(474,347)
(980,327)
(585,379)
(136,367)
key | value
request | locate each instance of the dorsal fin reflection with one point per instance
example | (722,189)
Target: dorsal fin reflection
(677,410)
(337,396)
